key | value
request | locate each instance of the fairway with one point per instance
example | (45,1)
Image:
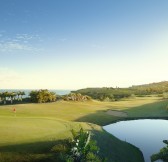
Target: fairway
(30,133)
(17,130)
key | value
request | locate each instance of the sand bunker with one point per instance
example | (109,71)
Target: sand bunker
(117,113)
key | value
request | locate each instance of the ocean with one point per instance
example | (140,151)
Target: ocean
(27,91)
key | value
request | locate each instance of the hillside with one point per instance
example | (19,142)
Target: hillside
(113,94)
(158,86)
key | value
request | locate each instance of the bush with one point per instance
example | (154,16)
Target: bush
(79,149)
(42,96)
(163,154)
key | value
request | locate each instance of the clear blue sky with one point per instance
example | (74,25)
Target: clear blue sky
(71,44)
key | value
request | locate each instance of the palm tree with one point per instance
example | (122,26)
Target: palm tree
(12,96)
(18,94)
(1,97)
(22,93)
(5,95)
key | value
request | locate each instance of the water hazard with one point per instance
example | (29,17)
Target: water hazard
(146,134)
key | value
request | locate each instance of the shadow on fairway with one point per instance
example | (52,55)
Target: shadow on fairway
(41,151)
(29,152)
(156,110)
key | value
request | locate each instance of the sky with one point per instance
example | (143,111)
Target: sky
(73,44)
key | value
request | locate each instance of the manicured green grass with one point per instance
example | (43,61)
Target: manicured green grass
(29,134)
(152,110)
(28,139)
(91,111)
(31,138)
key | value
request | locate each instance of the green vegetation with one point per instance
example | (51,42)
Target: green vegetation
(42,96)
(76,97)
(31,139)
(29,133)
(36,96)
(106,94)
(114,94)
(162,155)
(11,97)
(81,148)
(153,88)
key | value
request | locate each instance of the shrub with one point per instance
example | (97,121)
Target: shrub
(79,149)
(163,154)
(42,96)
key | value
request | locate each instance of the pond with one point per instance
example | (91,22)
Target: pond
(146,134)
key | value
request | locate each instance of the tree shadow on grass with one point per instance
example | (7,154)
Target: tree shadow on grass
(29,152)
(116,150)
(156,110)
(110,147)
(37,147)
(100,117)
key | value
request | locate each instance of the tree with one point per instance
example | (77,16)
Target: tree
(76,97)
(1,96)
(12,96)
(42,96)
(33,96)
(20,95)
(5,96)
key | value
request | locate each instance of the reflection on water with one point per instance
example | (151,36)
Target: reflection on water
(146,134)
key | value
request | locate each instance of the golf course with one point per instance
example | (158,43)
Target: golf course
(29,133)
(83,81)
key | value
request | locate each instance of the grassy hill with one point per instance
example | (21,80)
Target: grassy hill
(163,84)
(30,134)
(158,87)
(113,94)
